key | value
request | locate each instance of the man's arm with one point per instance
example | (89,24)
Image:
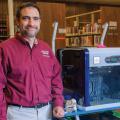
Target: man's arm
(2,106)
(57,91)
(2,86)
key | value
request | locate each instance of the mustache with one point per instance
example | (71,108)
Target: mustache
(30,26)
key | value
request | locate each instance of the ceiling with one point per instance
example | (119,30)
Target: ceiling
(103,2)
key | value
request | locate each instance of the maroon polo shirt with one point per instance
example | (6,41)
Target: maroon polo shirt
(29,76)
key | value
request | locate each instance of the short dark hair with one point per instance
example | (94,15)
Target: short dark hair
(24,5)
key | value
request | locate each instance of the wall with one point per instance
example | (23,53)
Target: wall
(72,9)
(51,12)
(3,8)
(111,14)
(108,14)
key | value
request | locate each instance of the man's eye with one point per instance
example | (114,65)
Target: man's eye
(26,18)
(30,18)
(36,18)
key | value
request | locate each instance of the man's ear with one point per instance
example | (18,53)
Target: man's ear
(17,25)
(40,20)
(17,22)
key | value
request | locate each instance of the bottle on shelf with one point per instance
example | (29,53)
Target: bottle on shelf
(85,28)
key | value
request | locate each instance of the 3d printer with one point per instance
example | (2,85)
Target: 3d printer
(91,75)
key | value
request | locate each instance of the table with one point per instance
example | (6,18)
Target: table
(78,113)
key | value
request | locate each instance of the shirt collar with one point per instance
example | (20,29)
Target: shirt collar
(35,41)
(24,39)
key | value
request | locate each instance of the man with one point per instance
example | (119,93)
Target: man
(30,75)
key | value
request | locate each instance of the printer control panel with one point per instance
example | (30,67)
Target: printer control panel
(113,59)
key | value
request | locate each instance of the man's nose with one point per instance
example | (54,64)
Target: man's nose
(31,21)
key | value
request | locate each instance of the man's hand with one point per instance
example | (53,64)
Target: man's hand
(58,112)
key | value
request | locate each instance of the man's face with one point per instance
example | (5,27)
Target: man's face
(29,22)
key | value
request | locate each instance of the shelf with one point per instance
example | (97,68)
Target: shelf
(3,26)
(83,29)
(83,112)
(4,30)
(84,14)
(3,36)
(85,34)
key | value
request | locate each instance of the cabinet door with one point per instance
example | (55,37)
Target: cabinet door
(51,12)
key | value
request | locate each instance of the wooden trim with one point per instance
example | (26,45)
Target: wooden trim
(83,14)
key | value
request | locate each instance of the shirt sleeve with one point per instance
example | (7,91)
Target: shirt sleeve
(2,86)
(57,87)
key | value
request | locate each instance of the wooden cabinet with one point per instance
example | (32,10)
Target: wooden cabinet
(4,31)
(51,12)
(83,29)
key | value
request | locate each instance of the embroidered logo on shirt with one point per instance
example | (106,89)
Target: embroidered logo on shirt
(45,53)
